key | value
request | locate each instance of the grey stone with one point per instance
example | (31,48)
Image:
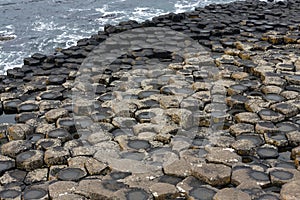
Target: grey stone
(37,175)
(213,174)
(225,156)
(240,128)
(83,151)
(52,115)
(179,168)
(6,164)
(246,174)
(19,131)
(56,156)
(44,144)
(95,189)
(231,194)
(290,191)
(247,117)
(13,148)
(30,160)
(164,191)
(59,189)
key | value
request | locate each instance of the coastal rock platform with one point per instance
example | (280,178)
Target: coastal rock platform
(215,114)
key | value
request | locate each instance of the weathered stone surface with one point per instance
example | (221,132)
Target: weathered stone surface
(247,117)
(52,115)
(180,168)
(6,164)
(83,151)
(246,174)
(231,194)
(13,148)
(61,188)
(290,191)
(280,176)
(37,175)
(225,156)
(56,156)
(240,128)
(164,191)
(97,189)
(19,131)
(213,174)
(30,160)
(295,152)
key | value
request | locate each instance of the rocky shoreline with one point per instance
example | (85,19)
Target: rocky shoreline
(156,128)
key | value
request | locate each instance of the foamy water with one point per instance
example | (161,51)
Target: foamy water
(43,25)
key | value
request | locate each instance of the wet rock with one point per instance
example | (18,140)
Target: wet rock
(13,148)
(203,192)
(270,115)
(231,194)
(59,133)
(124,122)
(245,174)
(31,61)
(6,164)
(277,139)
(35,193)
(49,95)
(290,191)
(11,106)
(267,152)
(280,176)
(56,156)
(46,105)
(13,176)
(52,115)
(44,144)
(134,193)
(70,174)
(164,191)
(25,116)
(56,80)
(30,160)
(10,194)
(265,127)
(28,106)
(289,110)
(213,174)
(67,124)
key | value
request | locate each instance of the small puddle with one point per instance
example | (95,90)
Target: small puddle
(202,193)
(35,193)
(70,174)
(7,118)
(9,194)
(137,194)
